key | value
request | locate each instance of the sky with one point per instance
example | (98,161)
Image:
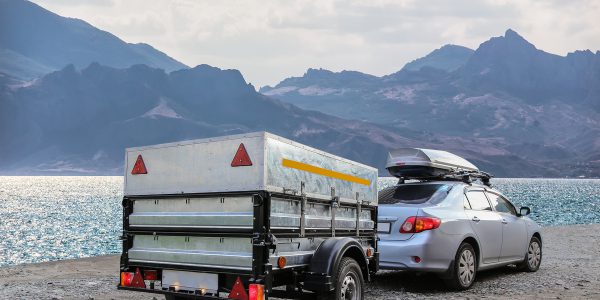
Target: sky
(269,41)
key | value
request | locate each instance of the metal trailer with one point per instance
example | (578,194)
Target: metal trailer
(247,216)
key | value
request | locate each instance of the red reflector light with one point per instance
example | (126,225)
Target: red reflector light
(241,157)
(150,275)
(138,280)
(417,259)
(139,167)
(418,224)
(238,291)
(256,292)
(126,278)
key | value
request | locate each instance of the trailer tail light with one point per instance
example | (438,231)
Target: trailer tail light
(126,278)
(130,279)
(139,167)
(241,157)
(150,275)
(256,292)
(418,224)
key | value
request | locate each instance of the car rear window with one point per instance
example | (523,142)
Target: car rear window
(414,193)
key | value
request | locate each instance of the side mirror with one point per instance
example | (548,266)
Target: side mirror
(524,211)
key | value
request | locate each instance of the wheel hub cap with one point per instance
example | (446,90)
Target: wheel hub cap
(348,289)
(534,255)
(466,267)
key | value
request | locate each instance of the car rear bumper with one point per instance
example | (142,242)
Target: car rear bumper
(435,250)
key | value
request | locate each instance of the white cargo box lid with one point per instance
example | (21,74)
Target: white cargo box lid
(437,159)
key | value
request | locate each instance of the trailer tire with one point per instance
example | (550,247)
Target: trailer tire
(349,281)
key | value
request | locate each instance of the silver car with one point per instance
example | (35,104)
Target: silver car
(454,229)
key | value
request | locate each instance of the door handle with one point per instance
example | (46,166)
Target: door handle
(504,221)
(476,219)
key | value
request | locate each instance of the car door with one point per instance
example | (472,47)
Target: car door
(486,224)
(514,229)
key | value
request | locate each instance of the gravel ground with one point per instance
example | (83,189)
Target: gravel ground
(570,270)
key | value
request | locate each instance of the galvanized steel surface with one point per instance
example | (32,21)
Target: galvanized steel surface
(204,166)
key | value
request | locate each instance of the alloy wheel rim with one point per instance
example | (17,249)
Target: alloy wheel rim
(349,289)
(534,255)
(466,267)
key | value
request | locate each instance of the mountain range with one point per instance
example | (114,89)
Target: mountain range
(79,121)
(35,41)
(72,97)
(506,94)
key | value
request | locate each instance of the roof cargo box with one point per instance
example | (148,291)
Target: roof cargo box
(426,163)
(247,162)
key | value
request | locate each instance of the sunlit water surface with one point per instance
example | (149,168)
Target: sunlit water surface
(52,218)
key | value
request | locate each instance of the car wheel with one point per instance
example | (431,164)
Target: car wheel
(533,257)
(465,267)
(349,282)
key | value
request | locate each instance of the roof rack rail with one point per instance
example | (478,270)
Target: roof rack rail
(469,177)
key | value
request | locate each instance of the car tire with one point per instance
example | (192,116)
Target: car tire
(462,274)
(349,282)
(533,256)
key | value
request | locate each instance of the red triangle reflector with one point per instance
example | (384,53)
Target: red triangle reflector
(138,280)
(238,291)
(139,167)
(241,157)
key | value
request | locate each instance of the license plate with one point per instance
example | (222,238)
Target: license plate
(190,281)
(383,227)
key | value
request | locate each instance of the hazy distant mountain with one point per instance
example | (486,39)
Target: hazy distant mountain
(510,108)
(35,41)
(79,122)
(447,58)
(512,64)
(524,102)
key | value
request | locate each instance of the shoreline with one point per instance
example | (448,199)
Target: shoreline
(570,270)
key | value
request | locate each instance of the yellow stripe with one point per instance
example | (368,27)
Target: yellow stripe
(320,171)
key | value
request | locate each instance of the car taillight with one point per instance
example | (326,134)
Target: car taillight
(418,224)
(256,292)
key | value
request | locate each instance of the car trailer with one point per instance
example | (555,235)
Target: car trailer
(248,216)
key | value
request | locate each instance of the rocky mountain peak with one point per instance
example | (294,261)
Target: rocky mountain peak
(448,58)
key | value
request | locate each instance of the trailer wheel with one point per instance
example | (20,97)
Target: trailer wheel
(349,282)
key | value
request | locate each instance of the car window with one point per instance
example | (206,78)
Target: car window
(500,204)
(478,200)
(414,193)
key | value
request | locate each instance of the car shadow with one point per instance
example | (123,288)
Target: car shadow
(428,282)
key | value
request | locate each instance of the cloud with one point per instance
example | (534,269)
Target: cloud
(268,40)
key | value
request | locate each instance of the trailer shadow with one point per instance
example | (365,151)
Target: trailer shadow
(427,282)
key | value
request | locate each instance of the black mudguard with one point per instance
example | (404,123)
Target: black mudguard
(325,261)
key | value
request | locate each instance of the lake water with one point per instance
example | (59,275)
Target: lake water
(52,218)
